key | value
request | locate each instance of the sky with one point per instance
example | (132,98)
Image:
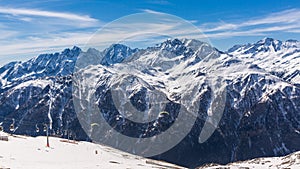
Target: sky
(29,28)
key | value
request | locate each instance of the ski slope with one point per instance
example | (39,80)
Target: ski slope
(21,152)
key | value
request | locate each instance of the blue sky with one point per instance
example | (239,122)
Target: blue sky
(28,28)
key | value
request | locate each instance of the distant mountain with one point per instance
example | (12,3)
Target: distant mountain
(260,118)
(277,57)
(116,53)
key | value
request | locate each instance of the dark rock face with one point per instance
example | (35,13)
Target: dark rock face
(261,115)
(131,128)
(261,125)
(116,53)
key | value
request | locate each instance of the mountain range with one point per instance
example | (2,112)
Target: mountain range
(259,85)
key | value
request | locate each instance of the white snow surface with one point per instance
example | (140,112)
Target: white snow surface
(22,152)
(291,161)
(35,83)
(273,56)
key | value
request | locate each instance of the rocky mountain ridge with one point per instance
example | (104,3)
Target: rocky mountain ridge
(261,101)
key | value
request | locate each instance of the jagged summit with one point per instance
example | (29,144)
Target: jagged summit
(280,58)
(75,49)
(179,43)
(171,50)
(292,41)
(265,45)
(116,53)
(266,40)
(269,41)
(43,65)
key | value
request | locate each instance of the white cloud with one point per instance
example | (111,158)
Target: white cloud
(26,19)
(50,37)
(23,49)
(6,34)
(284,21)
(283,17)
(41,13)
(219,27)
(28,32)
(151,11)
(294,31)
(150,23)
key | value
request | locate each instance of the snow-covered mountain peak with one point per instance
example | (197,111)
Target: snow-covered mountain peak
(268,41)
(170,44)
(171,50)
(116,53)
(277,45)
(264,45)
(179,46)
(173,55)
(55,64)
(74,51)
(280,58)
(292,41)
(117,48)
(269,45)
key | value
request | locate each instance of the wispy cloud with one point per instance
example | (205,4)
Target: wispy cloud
(294,31)
(218,27)
(283,17)
(41,13)
(28,32)
(6,34)
(142,28)
(131,27)
(284,21)
(151,11)
(38,45)
(29,35)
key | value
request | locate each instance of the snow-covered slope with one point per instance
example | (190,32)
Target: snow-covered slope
(57,64)
(21,152)
(281,58)
(291,161)
(261,110)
